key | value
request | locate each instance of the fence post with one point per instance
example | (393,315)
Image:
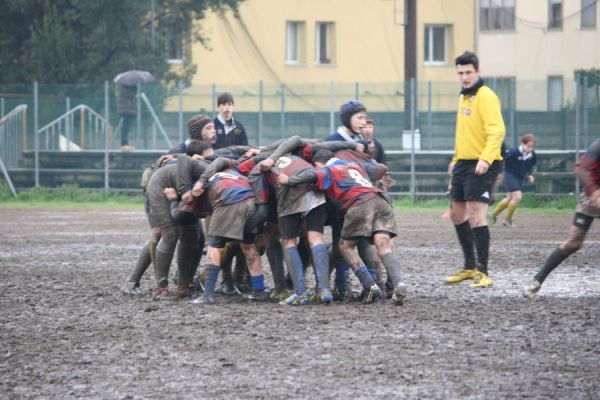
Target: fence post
(429,115)
(138,128)
(260,111)
(577,127)
(356,90)
(331,107)
(106,134)
(2,105)
(282,112)
(180,121)
(412,135)
(36,141)
(68,123)
(513,102)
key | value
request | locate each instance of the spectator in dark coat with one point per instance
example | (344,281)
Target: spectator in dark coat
(230,132)
(127,110)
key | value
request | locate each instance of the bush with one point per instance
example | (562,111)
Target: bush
(66,193)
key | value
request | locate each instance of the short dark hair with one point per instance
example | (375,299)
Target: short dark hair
(466,58)
(196,146)
(322,156)
(224,98)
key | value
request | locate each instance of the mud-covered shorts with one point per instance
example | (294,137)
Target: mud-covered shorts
(369,217)
(230,223)
(466,186)
(585,206)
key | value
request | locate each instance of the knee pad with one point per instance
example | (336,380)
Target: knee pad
(582,221)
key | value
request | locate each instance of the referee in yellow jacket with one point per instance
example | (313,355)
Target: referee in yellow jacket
(476,163)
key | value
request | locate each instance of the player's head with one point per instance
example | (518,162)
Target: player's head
(467,68)
(369,128)
(322,156)
(196,124)
(353,115)
(200,147)
(225,105)
(528,142)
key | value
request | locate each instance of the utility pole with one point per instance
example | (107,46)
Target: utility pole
(410,55)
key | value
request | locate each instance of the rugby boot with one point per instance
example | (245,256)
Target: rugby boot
(304,299)
(400,292)
(184,292)
(374,294)
(131,288)
(462,275)
(290,300)
(160,293)
(204,299)
(531,289)
(325,296)
(341,295)
(492,220)
(255,296)
(481,280)
(509,224)
(278,296)
(229,289)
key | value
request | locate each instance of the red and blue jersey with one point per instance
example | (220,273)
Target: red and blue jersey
(588,168)
(228,187)
(346,183)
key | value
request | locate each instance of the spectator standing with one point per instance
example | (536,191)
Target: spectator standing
(230,132)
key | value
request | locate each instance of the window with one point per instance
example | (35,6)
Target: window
(177,48)
(294,42)
(325,41)
(588,13)
(504,88)
(496,15)
(555,93)
(435,44)
(555,14)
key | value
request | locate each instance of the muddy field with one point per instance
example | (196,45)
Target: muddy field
(66,331)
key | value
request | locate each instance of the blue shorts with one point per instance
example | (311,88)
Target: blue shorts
(512,183)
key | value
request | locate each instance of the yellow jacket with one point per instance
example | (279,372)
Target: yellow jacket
(479,127)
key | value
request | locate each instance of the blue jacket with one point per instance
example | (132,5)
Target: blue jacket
(515,165)
(237,137)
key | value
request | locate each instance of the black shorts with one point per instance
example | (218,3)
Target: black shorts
(466,186)
(290,226)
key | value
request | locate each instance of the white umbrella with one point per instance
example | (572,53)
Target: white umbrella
(133,77)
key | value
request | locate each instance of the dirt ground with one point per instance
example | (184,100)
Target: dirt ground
(66,331)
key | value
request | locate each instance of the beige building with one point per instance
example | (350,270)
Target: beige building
(539,43)
(352,48)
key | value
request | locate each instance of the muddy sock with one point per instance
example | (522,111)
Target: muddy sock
(500,207)
(392,266)
(258,283)
(275,257)
(295,268)
(481,234)
(511,211)
(553,261)
(143,262)
(210,280)
(341,277)
(162,266)
(465,237)
(364,277)
(321,265)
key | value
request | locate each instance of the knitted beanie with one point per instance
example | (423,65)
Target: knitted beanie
(195,125)
(348,109)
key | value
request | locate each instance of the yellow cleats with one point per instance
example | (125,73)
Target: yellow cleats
(481,280)
(462,275)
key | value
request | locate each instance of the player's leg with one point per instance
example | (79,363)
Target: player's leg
(499,208)
(576,237)
(164,255)
(187,256)
(358,223)
(515,200)
(215,245)
(314,225)
(458,216)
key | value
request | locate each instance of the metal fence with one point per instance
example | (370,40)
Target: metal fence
(273,111)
